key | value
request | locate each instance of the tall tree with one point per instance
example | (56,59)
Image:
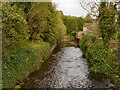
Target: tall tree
(107,24)
(88,18)
(105,13)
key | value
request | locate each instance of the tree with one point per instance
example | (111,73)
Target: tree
(105,13)
(39,19)
(73,24)
(14,28)
(59,28)
(80,23)
(107,25)
(88,18)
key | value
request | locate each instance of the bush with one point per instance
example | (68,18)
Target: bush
(99,59)
(14,28)
(87,39)
(23,62)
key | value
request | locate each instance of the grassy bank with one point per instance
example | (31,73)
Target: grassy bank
(23,62)
(98,59)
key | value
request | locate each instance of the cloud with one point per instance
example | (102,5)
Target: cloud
(70,7)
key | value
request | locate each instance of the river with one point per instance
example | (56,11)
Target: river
(66,68)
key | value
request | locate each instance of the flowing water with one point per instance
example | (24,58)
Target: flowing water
(66,68)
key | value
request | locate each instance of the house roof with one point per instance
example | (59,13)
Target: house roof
(91,26)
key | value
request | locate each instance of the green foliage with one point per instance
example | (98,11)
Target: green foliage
(25,28)
(39,20)
(17,87)
(88,18)
(107,25)
(59,28)
(115,36)
(70,38)
(99,60)
(73,24)
(45,23)
(23,62)
(88,39)
(36,22)
(14,28)
(116,80)
(71,43)
(80,23)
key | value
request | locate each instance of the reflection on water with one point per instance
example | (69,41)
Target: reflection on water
(66,69)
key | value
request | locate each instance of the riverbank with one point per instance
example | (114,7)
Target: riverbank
(29,33)
(98,59)
(66,68)
(25,61)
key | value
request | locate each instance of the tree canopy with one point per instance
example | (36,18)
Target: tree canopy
(73,24)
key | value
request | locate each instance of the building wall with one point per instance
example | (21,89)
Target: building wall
(85,29)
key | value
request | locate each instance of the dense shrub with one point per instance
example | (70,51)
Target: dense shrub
(14,28)
(23,62)
(99,59)
(88,39)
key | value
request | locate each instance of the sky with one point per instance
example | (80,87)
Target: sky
(70,7)
(73,7)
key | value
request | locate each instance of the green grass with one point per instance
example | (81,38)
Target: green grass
(71,43)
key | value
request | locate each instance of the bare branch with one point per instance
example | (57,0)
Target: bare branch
(90,8)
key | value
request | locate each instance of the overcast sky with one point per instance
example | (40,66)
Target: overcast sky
(73,7)
(70,7)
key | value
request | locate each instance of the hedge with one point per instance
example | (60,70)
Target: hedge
(99,59)
(23,62)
